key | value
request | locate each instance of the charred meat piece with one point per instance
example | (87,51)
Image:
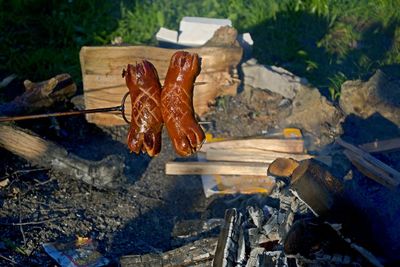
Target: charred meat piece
(146,121)
(177,103)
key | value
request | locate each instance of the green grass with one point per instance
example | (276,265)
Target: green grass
(325,41)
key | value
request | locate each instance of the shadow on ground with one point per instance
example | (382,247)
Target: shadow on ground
(378,206)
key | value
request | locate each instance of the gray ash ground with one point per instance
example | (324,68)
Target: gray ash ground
(136,218)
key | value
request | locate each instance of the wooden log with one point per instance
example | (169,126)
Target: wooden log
(382,145)
(104,86)
(250,155)
(106,173)
(371,166)
(40,95)
(223,168)
(278,145)
(325,195)
(316,187)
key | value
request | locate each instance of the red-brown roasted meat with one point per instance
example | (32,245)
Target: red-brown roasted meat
(177,103)
(146,121)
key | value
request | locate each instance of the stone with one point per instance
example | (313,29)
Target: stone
(272,78)
(380,94)
(313,113)
(225,36)
(196,31)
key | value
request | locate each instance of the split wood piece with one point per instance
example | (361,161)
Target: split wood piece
(261,144)
(107,173)
(371,166)
(282,167)
(316,186)
(103,85)
(244,184)
(370,170)
(382,145)
(40,95)
(250,155)
(215,167)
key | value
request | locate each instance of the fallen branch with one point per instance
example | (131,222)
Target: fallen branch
(106,173)
(34,222)
(7,259)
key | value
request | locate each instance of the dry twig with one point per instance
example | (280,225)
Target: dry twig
(7,259)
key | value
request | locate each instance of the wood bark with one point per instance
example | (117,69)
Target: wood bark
(316,187)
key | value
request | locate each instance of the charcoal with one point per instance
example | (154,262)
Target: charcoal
(256,215)
(198,253)
(227,248)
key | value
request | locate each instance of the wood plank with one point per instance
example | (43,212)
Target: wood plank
(110,60)
(223,168)
(371,163)
(104,86)
(250,155)
(278,145)
(382,145)
(107,91)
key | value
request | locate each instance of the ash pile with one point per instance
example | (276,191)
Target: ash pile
(282,232)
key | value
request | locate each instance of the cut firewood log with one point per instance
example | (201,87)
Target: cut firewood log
(250,155)
(315,186)
(278,145)
(107,173)
(40,95)
(215,167)
(104,87)
(282,167)
(382,146)
(371,166)
(328,199)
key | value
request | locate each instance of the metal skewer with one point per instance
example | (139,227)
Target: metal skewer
(120,108)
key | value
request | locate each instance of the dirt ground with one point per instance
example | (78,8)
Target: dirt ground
(40,206)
